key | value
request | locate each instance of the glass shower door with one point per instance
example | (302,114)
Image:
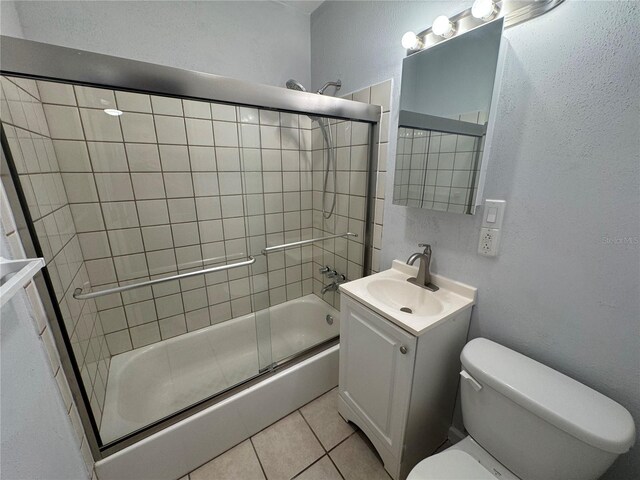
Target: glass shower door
(135,190)
(291,169)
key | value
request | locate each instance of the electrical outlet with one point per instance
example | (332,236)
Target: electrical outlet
(489,240)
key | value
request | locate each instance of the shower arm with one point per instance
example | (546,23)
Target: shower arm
(337,84)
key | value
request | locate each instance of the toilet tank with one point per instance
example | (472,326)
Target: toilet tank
(539,423)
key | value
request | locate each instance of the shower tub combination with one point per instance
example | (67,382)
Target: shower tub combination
(161,391)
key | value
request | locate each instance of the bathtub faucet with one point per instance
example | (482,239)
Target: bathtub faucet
(333,286)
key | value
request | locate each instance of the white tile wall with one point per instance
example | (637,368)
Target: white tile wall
(39,162)
(172,185)
(347,256)
(41,321)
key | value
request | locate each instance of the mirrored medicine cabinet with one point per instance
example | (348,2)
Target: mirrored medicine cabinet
(447,105)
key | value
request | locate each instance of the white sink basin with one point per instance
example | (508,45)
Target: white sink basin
(409,306)
(404,296)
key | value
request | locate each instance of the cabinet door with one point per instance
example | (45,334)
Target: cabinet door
(375,374)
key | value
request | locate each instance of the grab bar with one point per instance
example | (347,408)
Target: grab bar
(284,246)
(78,295)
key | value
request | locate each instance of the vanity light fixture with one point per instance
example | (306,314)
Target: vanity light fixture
(484,9)
(113,112)
(410,41)
(443,27)
(481,11)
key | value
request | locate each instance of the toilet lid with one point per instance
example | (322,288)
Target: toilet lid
(450,465)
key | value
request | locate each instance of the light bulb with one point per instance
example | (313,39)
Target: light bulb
(410,41)
(113,112)
(484,9)
(443,27)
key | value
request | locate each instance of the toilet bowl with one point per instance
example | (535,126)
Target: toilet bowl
(527,421)
(466,460)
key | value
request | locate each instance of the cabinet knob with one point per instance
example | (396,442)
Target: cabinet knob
(403,349)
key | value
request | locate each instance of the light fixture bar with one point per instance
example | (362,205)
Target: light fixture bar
(513,11)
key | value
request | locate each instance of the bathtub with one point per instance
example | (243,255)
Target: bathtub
(150,383)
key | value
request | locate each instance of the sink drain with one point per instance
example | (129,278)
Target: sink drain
(406,310)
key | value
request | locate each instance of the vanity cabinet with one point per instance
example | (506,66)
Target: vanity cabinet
(376,368)
(398,387)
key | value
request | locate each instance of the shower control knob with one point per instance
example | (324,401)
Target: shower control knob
(332,274)
(325,269)
(403,349)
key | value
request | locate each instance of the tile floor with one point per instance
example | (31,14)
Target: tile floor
(312,443)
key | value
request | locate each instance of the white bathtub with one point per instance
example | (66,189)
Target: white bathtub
(152,382)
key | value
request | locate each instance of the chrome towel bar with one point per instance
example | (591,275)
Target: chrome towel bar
(78,295)
(284,246)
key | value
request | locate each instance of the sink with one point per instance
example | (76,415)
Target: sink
(405,297)
(412,308)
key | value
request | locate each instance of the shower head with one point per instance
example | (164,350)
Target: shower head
(295,85)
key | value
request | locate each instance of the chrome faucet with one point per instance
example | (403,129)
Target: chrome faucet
(423,279)
(333,286)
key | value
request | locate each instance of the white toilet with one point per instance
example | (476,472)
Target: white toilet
(527,421)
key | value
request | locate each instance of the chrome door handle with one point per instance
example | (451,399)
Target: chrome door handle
(403,349)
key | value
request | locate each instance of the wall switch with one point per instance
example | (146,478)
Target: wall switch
(489,240)
(493,213)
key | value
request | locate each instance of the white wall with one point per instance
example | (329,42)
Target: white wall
(566,159)
(260,41)
(9,21)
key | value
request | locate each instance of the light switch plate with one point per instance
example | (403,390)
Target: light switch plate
(493,213)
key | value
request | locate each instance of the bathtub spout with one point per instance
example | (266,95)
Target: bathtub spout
(333,286)
(329,287)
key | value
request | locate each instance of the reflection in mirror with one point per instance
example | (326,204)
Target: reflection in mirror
(445,121)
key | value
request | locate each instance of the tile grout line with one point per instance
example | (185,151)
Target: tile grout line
(326,454)
(255,452)
(312,430)
(134,199)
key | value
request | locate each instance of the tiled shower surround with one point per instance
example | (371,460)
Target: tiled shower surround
(172,185)
(351,139)
(39,165)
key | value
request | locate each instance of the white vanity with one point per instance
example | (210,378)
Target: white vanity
(399,370)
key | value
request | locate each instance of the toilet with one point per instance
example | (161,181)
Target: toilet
(527,421)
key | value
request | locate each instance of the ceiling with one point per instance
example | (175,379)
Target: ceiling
(305,6)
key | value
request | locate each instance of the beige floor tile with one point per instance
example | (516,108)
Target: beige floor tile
(356,460)
(323,469)
(324,419)
(287,447)
(238,463)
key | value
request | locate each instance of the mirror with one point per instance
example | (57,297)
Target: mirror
(445,121)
